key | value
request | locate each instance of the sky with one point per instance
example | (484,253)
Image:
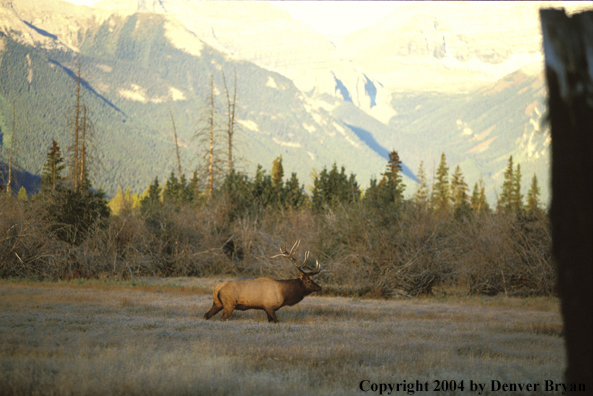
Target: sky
(329,17)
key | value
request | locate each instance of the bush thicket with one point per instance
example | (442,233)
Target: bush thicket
(376,243)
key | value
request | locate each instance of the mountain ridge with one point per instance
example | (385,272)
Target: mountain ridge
(330,112)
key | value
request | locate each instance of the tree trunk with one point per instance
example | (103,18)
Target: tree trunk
(76,130)
(176,143)
(211,149)
(11,150)
(568,45)
(83,147)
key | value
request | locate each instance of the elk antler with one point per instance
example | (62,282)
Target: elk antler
(290,257)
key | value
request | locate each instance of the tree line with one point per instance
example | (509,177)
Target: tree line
(222,220)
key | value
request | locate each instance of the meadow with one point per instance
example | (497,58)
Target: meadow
(150,338)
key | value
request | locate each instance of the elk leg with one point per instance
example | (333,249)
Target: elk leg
(228,310)
(271,315)
(213,311)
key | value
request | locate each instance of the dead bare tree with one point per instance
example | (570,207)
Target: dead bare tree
(208,135)
(176,143)
(568,45)
(82,151)
(8,191)
(74,123)
(230,117)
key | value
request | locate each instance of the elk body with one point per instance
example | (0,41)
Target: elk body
(264,293)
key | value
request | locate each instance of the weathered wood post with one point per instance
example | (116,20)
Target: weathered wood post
(568,49)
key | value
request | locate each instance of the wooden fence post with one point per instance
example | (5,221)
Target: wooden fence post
(568,49)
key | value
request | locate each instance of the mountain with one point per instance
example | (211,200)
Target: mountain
(431,77)
(451,46)
(261,33)
(133,75)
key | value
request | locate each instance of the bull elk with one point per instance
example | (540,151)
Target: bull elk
(264,293)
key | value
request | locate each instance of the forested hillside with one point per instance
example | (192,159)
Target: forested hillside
(135,78)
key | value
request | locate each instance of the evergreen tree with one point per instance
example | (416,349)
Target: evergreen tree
(459,194)
(173,190)
(391,186)
(371,194)
(506,196)
(483,206)
(54,165)
(354,192)
(74,213)
(421,195)
(295,193)
(187,192)
(510,197)
(152,200)
(194,185)
(479,203)
(517,197)
(475,199)
(238,192)
(333,187)
(458,187)
(440,190)
(321,194)
(263,190)
(533,200)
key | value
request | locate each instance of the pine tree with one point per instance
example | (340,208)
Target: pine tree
(354,189)
(392,187)
(440,191)
(173,190)
(506,196)
(152,200)
(295,193)
(194,185)
(533,200)
(478,200)
(516,196)
(458,187)
(459,194)
(263,190)
(421,195)
(333,187)
(475,199)
(54,165)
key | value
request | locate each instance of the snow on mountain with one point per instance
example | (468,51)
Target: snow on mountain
(450,46)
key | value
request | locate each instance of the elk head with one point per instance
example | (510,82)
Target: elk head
(310,286)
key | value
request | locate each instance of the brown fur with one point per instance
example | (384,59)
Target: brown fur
(264,293)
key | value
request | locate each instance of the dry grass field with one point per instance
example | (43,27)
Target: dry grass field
(101,339)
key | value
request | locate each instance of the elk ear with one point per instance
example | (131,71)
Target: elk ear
(301,276)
